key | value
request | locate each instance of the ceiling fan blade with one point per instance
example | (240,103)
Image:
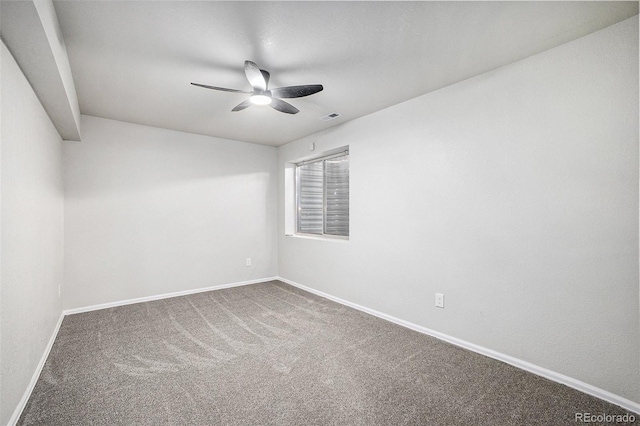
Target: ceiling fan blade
(243,105)
(255,77)
(266,76)
(283,106)
(296,91)
(221,88)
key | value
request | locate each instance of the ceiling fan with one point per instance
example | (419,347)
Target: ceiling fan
(261,95)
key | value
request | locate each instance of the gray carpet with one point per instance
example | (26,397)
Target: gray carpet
(271,354)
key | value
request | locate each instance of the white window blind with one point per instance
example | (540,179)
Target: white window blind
(323,196)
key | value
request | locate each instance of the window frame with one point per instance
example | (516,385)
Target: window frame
(297,189)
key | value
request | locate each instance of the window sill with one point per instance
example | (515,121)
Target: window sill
(333,238)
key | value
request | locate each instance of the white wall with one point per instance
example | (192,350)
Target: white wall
(150,211)
(31,31)
(514,193)
(31,234)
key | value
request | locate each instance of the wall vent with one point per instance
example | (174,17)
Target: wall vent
(330,116)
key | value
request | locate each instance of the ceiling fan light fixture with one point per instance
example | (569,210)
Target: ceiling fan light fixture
(260,99)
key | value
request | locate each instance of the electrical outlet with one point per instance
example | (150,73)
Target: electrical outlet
(440,300)
(248,261)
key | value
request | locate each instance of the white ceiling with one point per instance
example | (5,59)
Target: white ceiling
(133,61)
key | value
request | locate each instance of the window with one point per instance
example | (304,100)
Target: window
(322,196)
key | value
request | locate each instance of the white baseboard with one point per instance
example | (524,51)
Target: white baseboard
(523,365)
(27,393)
(162,296)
